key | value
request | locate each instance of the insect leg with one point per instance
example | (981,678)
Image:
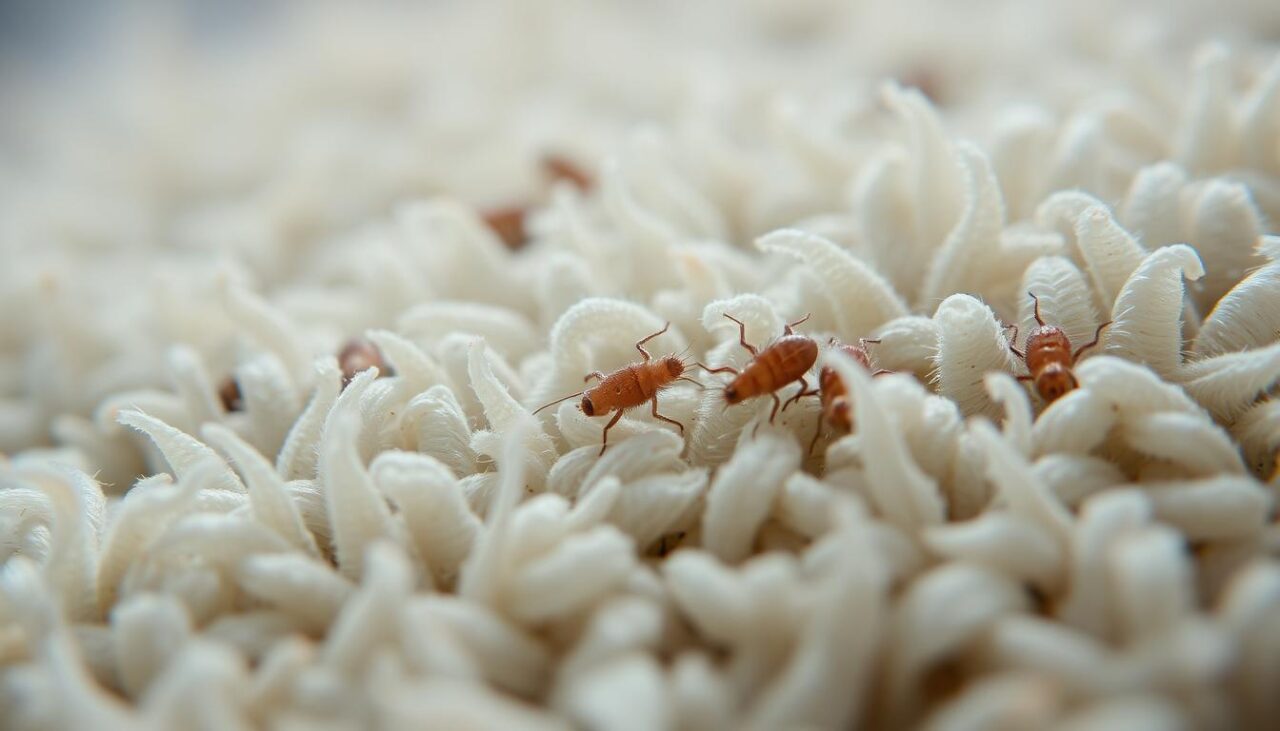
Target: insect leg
(1013,340)
(804,391)
(796,397)
(604,438)
(1096,335)
(593,374)
(742,335)
(772,413)
(1026,378)
(816,433)
(656,415)
(640,344)
(1036,300)
(788,329)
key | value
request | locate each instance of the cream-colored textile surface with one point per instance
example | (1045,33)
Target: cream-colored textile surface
(184,210)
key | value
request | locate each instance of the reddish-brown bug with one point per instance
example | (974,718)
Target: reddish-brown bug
(508,222)
(358,355)
(837,411)
(558,167)
(783,361)
(630,386)
(230,396)
(1049,357)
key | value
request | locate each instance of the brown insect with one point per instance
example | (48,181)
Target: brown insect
(558,167)
(1049,357)
(837,411)
(784,360)
(230,396)
(630,386)
(508,222)
(358,355)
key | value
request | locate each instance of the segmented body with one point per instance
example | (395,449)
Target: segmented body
(630,386)
(837,410)
(358,355)
(785,360)
(1049,357)
(833,393)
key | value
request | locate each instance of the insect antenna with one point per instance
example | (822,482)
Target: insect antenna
(791,325)
(721,369)
(685,363)
(553,403)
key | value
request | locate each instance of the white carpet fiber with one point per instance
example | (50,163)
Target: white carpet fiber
(213,515)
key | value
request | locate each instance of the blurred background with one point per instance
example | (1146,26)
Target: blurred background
(149,150)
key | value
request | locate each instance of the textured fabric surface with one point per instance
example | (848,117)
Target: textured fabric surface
(283,290)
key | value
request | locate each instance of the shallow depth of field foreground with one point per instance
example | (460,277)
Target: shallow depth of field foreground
(282,291)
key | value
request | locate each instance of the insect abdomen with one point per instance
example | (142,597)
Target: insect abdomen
(781,363)
(790,358)
(620,390)
(628,387)
(834,398)
(829,383)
